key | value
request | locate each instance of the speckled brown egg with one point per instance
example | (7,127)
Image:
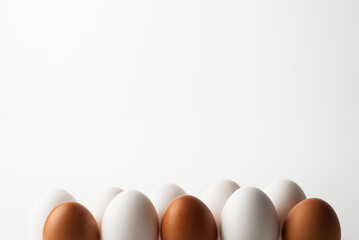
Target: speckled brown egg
(70,221)
(188,218)
(312,219)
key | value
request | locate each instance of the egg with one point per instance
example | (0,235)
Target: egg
(216,196)
(102,201)
(312,219)
(188,218)
(130,215)
(249,214)
(42,208)
(285,194)
(70,221)
(163,196)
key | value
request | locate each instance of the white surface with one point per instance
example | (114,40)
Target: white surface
(139,93)
(130,215)
(284,194)
(99,205)
(249,214)
(215,196)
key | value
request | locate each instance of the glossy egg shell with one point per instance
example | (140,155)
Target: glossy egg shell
(42,208)
(163,196)
(312,219)
(249,214)
(285,194)
(188,218)
(102,201)
(216,196)
(70,221)
(130,216)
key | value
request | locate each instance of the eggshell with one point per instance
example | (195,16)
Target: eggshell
(216,196)
(188,218)
(70,221)
(41,210)
(102,201)
(285,194)
(163,196)
(249,214)
(130,215)
(312,219)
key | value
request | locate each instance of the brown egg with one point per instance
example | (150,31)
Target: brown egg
(311,219)
(70,221)
(188,218)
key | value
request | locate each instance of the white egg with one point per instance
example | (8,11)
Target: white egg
(163,196)
(249,214)
(42,209)
(285,194)
(102,201)
(130,215)
(216,196)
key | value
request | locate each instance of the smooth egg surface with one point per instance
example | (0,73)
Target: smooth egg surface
(41,210)
(249,214)
(71,221)
(216,196)
(130,216)
(188,218)
(163,196)
(102,201)
(285,194)
(312,219)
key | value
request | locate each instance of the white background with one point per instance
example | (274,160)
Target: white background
(138,93)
